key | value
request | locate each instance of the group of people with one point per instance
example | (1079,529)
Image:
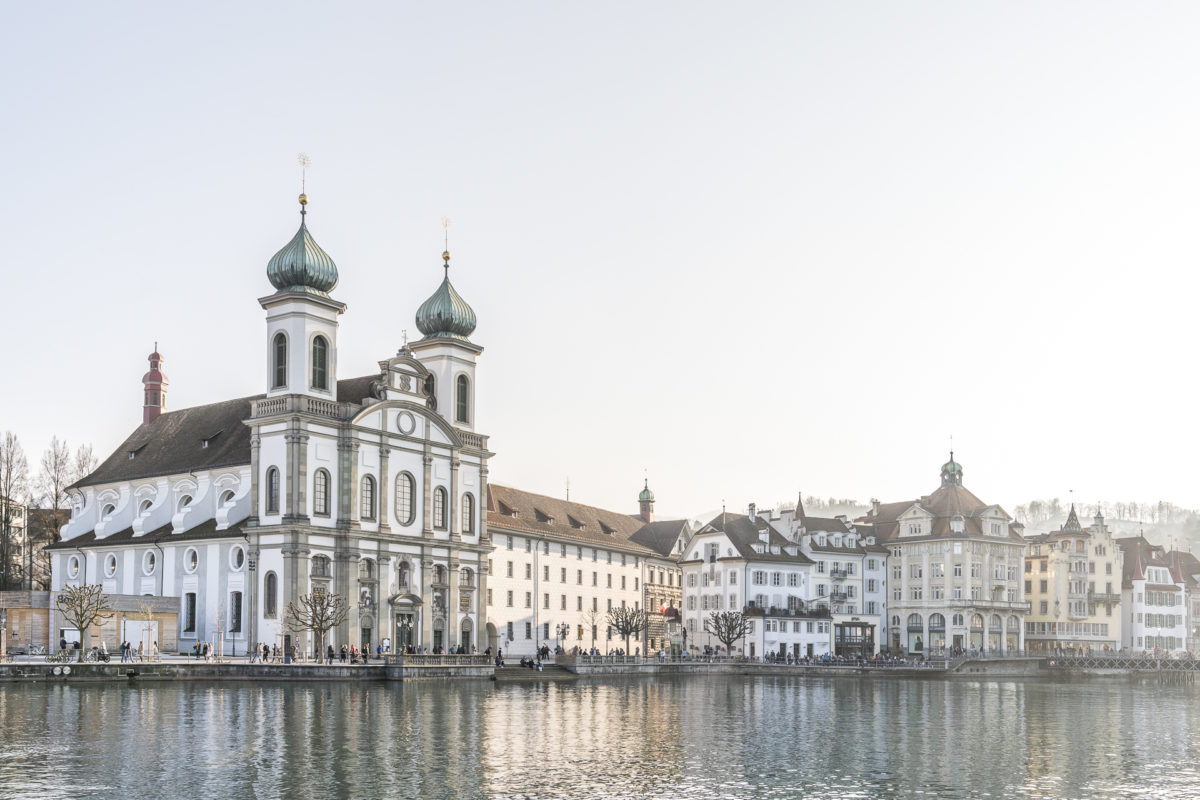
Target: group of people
(128,653)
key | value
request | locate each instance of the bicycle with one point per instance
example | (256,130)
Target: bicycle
(95,654)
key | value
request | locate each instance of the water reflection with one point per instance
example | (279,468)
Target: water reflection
(702,737)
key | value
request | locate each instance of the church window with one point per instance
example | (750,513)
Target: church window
(273,491)
(110,565)
(405,487)
(237,558)
(320,566)
(191,560)
(462,399)
(320,363)
(439,508)
(189,612)
(321,493)
(235,612)
(280,359)
(367,506)
(148,562)
(468,514)
(270,595)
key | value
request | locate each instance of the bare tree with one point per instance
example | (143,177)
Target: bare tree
(591,620)
(14,488)
(319,612)
(57,473)
(83,606)
(85,463)
(628,622)
(727,627)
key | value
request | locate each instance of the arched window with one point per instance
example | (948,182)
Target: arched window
(279,368)
(321,493)
(958,620)
(431,392)
(439,508)
(367,506)
(914,621)
(366,569)
(270,594)
(320,566)
(466,577)
(468,514)
(272,491)
(995,626)
(405,488)
(320,363)
(977,621)
(937,622)
(462,399)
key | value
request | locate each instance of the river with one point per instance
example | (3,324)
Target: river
(697,737)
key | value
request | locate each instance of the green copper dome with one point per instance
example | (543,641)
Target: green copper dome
(952,472)
(445,315)
(302,266)
(646,496)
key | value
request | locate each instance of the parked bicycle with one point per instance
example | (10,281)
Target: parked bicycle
(96,654)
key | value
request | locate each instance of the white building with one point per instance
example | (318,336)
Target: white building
(370,487)
(1153,599)
(742,563)
(849,577)
(560,567)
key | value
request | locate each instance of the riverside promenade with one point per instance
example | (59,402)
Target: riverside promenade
(403,668)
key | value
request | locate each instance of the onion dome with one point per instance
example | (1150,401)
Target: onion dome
(445,315)
(952,472)
(646,496)
(302,266)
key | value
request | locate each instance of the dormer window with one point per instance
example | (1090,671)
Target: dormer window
(607,530)
(576,524)
(543,517)
(507,510)
(958,525)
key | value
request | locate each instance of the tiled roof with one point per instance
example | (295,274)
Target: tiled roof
(744,533)
(523,512)
(174,442)
(943,505)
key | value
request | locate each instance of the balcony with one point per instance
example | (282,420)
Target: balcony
(838,574)
(839,597)
(812,613)
(999,605)
(1103,597)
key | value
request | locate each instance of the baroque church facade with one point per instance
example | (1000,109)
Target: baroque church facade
(373,488)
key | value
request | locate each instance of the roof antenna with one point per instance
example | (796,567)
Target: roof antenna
(305,162)
(568,489)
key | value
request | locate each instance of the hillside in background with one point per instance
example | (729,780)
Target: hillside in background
(1162,523)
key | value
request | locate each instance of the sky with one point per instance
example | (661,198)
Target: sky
(745,251)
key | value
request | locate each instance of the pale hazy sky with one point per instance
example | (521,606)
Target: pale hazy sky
(750,248)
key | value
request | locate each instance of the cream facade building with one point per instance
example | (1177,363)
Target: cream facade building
(1073,582)
(956,566)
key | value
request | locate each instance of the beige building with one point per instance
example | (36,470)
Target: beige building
(1073,583)
(955,571)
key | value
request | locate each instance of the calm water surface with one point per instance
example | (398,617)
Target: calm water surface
(700,737)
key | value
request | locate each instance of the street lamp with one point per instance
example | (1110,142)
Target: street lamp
(562,631)
(404,626)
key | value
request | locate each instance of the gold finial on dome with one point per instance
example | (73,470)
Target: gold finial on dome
(446,252)
(305,162)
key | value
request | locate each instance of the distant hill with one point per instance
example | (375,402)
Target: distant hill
(1162,523)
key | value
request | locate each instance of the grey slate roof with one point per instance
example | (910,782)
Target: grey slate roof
(174,443)
(660,536)
(205,530)
(744,534)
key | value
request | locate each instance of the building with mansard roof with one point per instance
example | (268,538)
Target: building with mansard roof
(956,567)
(371,487)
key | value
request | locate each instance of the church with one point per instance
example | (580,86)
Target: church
(372,487)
